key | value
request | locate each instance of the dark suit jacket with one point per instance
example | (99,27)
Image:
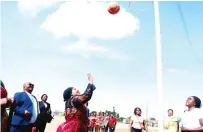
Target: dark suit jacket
(22,103)
(44,111)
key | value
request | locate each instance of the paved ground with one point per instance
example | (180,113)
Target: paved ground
(58,120)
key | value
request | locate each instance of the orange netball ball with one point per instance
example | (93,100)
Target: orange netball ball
(113,8)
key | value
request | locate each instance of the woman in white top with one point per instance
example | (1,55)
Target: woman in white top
(192,120)
(137,122)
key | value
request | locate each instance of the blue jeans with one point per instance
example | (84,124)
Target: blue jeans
(91,129)
(106,128)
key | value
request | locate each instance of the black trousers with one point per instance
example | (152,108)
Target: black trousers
(40,126)
(112,129)
(91,129)
(136,130)
(106,128)
(15,128)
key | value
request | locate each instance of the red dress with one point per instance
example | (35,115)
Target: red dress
(92,121)
(75,113)
(4,114)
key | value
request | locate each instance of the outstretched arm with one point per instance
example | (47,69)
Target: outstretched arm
(87,95)
(4,101)
(77,101)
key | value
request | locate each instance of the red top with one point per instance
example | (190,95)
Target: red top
(112,121)
(3,92)
(4,114)
(92,121)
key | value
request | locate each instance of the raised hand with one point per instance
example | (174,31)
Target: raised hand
(90,78)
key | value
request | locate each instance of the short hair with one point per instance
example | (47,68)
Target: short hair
(43,95)
(137,108)
(170,110)
(198,103)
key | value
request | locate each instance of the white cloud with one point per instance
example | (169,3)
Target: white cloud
(90,20)
(84,48)
(87,49)
(85,20)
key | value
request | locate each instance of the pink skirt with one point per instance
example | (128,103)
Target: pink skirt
(72,126)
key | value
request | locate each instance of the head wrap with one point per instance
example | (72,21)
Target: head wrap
(2,84)
(198,102)
(4,93)
(67,93)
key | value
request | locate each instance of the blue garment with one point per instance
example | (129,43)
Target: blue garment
(27,128)
(22,103)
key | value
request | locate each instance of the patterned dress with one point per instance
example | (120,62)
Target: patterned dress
(75,112)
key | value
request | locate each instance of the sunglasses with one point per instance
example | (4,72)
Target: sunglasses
(31,85)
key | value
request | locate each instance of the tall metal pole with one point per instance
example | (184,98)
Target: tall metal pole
(159,65)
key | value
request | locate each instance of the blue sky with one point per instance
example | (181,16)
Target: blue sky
(44,43)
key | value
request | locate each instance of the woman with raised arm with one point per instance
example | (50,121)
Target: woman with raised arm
(75,110)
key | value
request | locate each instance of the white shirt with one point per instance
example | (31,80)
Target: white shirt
(137,121)
(45,104)
(191,118)
(35,110)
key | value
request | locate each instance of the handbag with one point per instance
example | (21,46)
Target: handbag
(48,115)
(49,118)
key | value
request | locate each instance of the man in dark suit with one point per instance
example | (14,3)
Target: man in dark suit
(45,114)
(25,110)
